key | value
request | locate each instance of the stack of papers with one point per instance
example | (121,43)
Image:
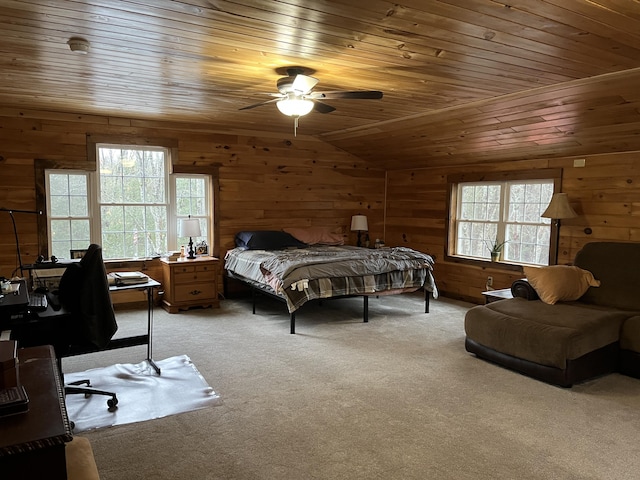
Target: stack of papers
(129,278)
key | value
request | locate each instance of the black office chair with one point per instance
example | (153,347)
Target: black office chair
(84,293)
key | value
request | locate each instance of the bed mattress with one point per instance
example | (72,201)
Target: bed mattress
(302,274)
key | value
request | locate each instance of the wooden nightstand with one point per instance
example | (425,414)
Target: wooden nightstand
(190,283)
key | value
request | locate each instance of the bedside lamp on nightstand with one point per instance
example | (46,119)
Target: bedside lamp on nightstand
(190,227)
(359,224)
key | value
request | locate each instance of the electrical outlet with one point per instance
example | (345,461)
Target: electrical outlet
(489,281)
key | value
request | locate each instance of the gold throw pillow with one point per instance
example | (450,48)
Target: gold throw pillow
(559,283)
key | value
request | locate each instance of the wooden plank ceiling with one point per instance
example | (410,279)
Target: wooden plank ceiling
(463,80)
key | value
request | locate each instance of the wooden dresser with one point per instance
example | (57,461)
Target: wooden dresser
(190,283)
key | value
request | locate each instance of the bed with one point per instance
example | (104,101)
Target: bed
(294,271)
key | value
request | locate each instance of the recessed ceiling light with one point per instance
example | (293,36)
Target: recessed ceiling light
(78,45)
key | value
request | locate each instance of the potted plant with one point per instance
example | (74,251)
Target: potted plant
(495,249)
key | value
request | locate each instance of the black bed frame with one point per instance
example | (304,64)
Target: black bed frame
(259,288)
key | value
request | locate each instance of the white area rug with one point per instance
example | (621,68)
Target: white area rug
(142,393)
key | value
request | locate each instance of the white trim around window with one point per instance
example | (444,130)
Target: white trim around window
(77,212)
(501,207)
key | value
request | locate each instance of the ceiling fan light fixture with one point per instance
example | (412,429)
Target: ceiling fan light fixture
(294,106)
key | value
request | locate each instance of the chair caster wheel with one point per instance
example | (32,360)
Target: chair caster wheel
(112,403)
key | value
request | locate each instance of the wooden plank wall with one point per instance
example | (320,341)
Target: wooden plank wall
(267,181)
(272,181)
(605,194)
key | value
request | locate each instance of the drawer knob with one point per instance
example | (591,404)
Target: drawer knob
(195,292)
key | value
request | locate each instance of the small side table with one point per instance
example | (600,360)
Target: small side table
(190,283)
(495,295)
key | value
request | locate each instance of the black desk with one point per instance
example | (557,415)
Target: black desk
(14,307)
(14,301)
(26,320)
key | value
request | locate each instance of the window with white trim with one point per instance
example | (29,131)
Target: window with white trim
(131,205)
(133,200)
(68,211)
(192,200)
(503,211)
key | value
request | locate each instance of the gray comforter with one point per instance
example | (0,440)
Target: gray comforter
(326,271)
(291,266)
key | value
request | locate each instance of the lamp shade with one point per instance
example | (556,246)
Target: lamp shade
(559,207)
(190,227)
(359,223)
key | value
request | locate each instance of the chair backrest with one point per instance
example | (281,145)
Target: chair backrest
(84,292)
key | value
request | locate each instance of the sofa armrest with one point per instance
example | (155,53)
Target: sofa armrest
(523,289)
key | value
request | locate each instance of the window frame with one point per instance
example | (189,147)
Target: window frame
(453,181)
(90,166)
(91,198)
(175,218)
(126,204)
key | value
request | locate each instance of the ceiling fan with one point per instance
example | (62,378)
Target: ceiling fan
(296,97)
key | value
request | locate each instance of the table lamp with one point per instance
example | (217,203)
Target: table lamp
(359,224)
(190,227)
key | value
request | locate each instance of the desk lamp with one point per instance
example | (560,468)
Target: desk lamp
(190,227)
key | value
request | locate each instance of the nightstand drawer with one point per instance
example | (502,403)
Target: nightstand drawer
(193,268)
(187,293)
(184,269)
(182,278)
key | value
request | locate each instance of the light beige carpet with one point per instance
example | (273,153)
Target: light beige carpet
(397,398)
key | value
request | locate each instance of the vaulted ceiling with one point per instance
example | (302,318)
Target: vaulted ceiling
(463,80)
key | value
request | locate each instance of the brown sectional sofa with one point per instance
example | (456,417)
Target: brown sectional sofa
(567,342)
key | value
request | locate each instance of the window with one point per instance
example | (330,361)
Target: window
(131,205)
(192,200)
(487,211)
(69,225)
(133,201)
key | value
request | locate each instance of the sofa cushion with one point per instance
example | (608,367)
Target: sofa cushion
(81,464)
(560,283)
(614,264)
(630,334)
(542,333)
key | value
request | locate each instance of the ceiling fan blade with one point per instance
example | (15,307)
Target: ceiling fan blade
(303,83)
(354,94)
(322,107)
(258,104)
